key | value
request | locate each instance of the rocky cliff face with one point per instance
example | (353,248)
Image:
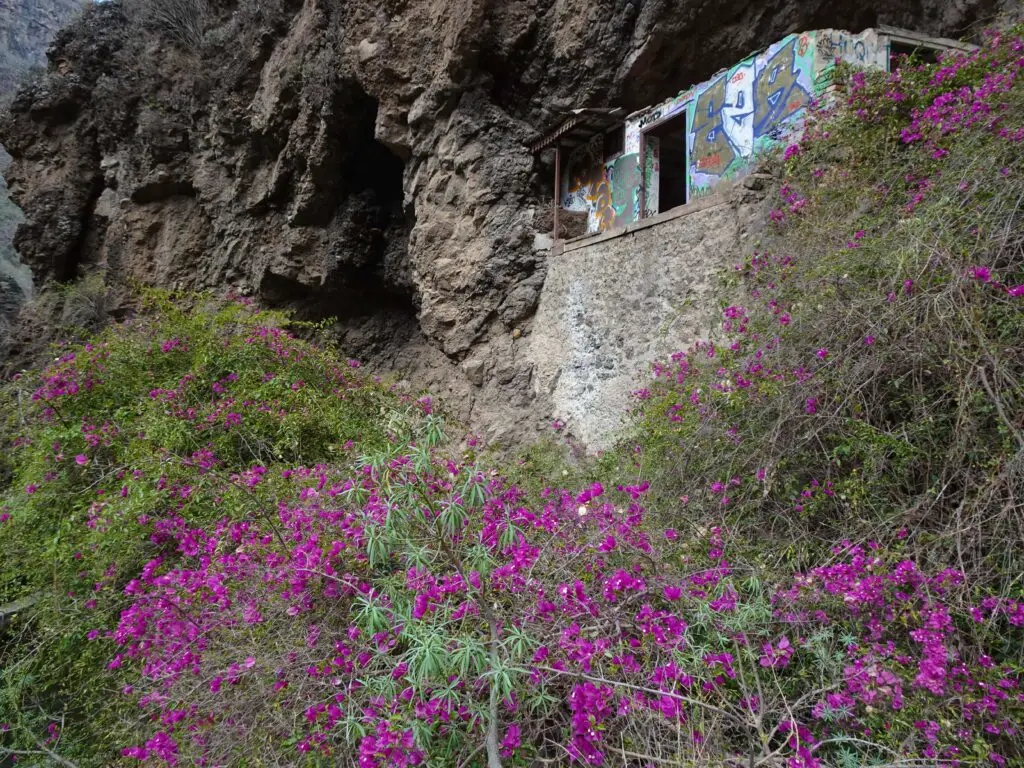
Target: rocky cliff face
(366,160)
(26,28)
(15,277)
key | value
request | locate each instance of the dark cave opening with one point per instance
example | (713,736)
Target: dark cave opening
(371,165)
(362,205)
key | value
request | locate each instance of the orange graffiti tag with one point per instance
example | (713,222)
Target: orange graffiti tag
(709,161)
(802,45)
(603,203)
(736,78)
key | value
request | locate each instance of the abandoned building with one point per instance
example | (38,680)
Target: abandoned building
(614,170)
(640,245)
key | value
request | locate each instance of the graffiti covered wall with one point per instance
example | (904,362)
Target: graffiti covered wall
(608,192)
(730,118)
(747,107)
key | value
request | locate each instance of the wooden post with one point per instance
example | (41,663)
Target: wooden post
(558,188)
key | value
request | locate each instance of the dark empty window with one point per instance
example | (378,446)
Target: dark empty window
(672,162)
(614,141)
(903,54)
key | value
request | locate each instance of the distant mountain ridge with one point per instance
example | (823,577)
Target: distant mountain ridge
(26,29)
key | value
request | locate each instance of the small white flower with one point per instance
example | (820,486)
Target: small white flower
(582,510)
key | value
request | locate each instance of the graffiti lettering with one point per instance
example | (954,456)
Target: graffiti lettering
(747,105)
(710,161)
(710,148)
(738,110)
(650,118)
(779,91)
(830,46)
(608,193)
(624,175)
(840,46)
(603,206)
(616,196)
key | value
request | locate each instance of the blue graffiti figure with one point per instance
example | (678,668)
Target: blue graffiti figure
(778,92)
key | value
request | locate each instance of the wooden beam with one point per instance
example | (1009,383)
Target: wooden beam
(558,188)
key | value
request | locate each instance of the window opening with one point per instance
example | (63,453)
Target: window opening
(673,159)
(901,54)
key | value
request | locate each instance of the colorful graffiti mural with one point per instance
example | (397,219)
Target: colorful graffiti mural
(779,91)
(711,151)
(623,175)
(609,193)
(746,107)
(729,120)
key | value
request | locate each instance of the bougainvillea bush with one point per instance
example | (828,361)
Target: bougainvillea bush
(229,548)
(868,380)
(157,424)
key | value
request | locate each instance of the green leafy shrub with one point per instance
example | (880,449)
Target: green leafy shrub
(153,417)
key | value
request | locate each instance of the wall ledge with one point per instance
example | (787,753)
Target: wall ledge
(714,200)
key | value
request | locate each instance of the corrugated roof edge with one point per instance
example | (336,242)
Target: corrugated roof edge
(591,119)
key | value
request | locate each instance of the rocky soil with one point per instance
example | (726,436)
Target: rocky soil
(363,159)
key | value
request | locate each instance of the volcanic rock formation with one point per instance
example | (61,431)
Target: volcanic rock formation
(26,28)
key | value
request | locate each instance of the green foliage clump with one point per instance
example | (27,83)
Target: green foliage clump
(156,418)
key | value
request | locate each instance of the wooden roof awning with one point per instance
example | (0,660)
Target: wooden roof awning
(579,127)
